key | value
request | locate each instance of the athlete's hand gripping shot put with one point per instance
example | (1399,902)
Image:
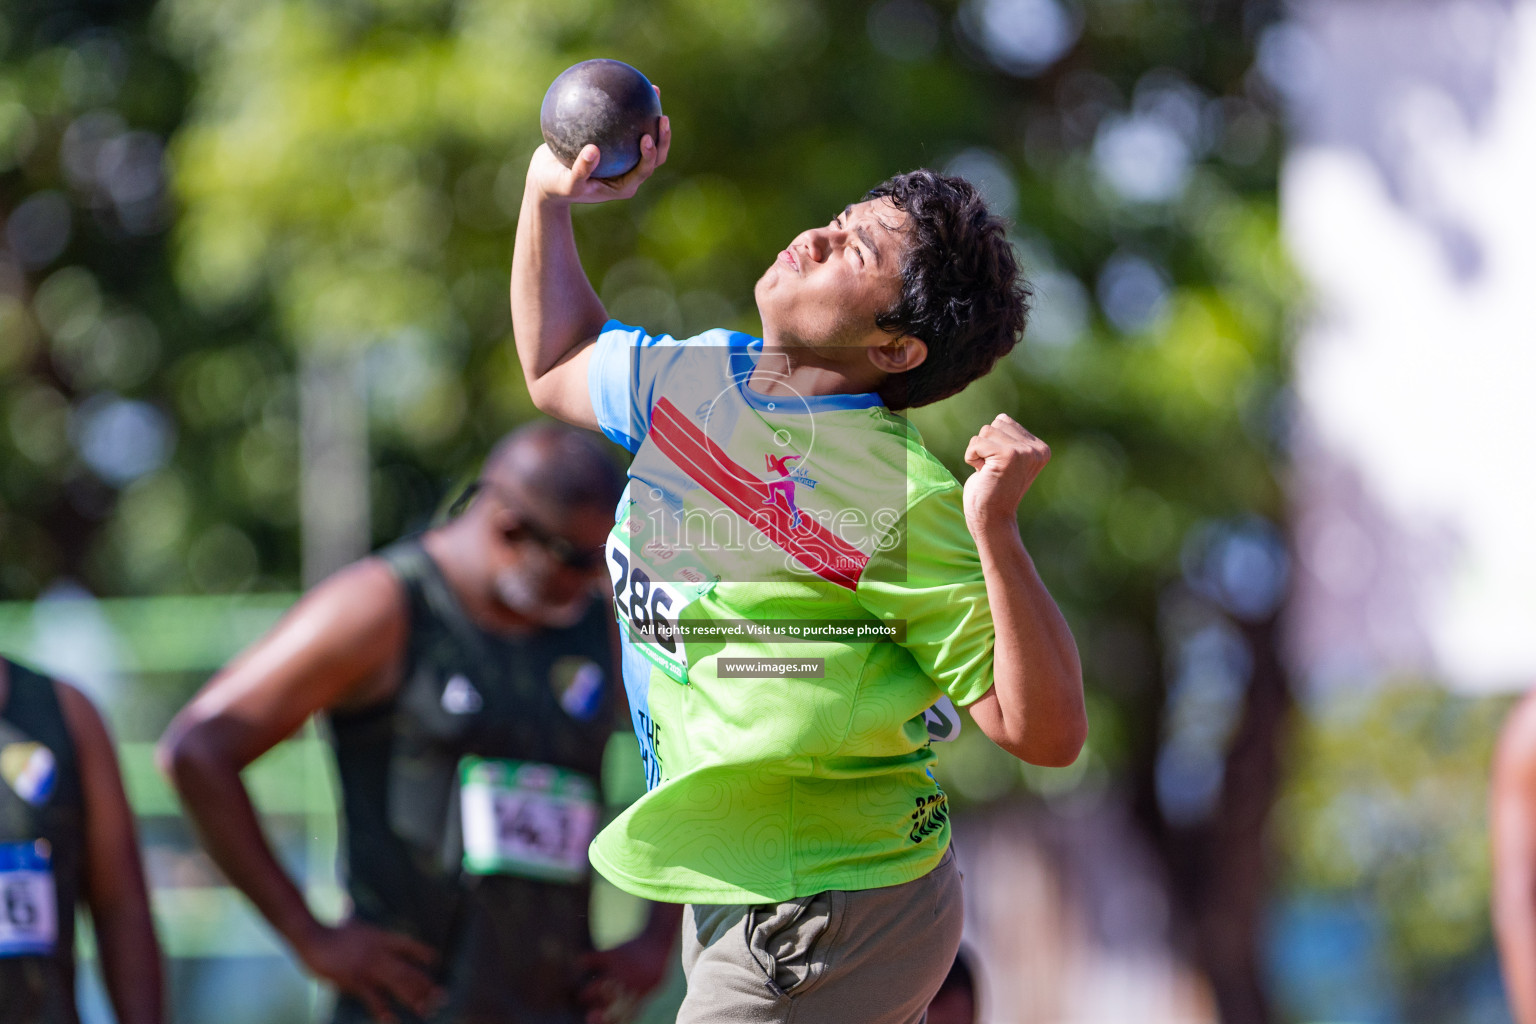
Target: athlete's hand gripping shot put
(792,803)
(468,681)
(66,841)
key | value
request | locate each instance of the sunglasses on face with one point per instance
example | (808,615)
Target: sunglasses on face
(561,549)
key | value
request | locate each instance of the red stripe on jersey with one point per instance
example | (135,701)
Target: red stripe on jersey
(706,463)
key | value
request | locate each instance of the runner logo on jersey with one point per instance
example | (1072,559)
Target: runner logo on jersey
(781,492)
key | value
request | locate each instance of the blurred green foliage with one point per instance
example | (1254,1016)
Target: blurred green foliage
(356,168)
(127,461)
(241,181)
(1386,801)
(346,175)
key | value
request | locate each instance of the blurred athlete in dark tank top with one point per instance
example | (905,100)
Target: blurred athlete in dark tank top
(469,683)
(67,840)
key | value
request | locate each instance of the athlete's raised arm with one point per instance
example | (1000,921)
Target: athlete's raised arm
(555,312)
(1035,708)
(334,649)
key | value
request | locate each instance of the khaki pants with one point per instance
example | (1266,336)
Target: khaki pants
(869,956)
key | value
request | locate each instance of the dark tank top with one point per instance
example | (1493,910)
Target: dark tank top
(42,830)
(508,945)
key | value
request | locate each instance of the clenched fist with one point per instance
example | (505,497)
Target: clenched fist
(1007,458)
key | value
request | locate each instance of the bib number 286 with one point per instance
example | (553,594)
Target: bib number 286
(641,600)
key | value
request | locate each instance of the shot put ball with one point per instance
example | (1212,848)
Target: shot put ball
(603,102)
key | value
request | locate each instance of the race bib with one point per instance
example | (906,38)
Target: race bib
(28,912)
(652,583)
(526,819)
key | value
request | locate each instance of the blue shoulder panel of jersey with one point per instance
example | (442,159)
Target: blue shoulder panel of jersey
(629,365)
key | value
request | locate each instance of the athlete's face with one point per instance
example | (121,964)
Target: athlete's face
(826,288)
(548,567)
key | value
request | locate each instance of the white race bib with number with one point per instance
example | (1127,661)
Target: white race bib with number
(526,819)
(28,909)
(652,583)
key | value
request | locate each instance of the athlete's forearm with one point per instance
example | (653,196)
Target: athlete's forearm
(116,892)
(112,876)
(130,959)
(554,308)
(221,811)
(1038,714)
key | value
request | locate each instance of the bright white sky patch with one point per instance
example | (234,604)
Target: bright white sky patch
(1419,370)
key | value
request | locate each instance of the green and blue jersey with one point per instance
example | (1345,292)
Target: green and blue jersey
(824,520)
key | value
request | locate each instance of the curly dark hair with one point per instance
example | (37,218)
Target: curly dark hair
(962,291)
